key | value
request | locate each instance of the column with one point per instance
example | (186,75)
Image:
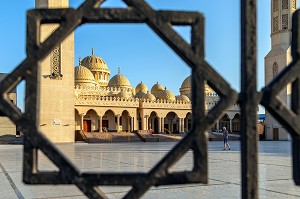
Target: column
(118,123)
(159,124)
(143,123)
(147,122)
(230,124)
(131,124)
(218,125)
(81,121)
(162,124)
(100,123)
(180,125)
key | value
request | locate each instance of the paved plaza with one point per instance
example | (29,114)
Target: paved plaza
(275,175)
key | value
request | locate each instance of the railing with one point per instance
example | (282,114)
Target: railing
(80,136)
(167,130)
(146,136)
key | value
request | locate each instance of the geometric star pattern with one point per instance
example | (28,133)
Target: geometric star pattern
(161,22)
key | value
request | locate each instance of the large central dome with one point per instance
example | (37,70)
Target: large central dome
(94,63)
(98,67)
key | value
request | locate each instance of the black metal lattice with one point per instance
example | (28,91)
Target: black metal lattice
(161,22)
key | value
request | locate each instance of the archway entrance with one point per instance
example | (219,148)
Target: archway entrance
(236,123)
(87,126)
(169,122)
(225,122)
(153,122)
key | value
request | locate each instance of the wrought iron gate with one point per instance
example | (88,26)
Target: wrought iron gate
(161,22)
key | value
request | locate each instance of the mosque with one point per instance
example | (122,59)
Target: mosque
(112,104)
(94,102)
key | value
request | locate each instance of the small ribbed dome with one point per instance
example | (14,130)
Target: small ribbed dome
(166,95)
(186,87)
(95,63)
(140,94)
(156,88)
(82,73)
(183,98)
(119,81)
(187,83)
(123,95)
(149,96)
(141,87)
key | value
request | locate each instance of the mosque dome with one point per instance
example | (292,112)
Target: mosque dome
(183,98)
(98,68)
(166,95)
(84,76)
(186,87)
(141,87)
(140,95)
(156,88)
(95,63)
(82,73)
(123,95)
(119,81)
(149,96)
(187,82)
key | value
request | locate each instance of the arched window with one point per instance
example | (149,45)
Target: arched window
(275,69)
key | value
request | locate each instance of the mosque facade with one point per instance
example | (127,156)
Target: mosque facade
(113,104)
(86,98)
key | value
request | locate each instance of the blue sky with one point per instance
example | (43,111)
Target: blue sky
(138,51)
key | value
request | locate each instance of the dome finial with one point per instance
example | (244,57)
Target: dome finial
(92,51)
(79,58)
(118,70)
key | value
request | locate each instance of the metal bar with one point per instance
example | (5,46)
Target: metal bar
(199,145)
(296,159)
(249,96)
(296,96)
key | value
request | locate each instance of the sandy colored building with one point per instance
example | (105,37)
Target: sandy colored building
(113,104)
(7,127)
(88,99)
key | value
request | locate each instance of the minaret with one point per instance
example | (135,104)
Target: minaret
(56,84)
(278,58)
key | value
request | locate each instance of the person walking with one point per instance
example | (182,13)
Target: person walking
(225,137)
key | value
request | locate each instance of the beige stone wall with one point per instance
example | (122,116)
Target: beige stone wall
(7,127)
(56,95)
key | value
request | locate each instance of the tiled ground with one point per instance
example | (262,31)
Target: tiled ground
(275,180)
